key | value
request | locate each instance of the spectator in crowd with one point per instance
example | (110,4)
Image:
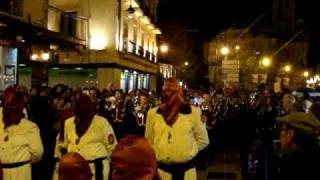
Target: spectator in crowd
(95,97)
(301,155)
(109,91)
(91,136)
(177,133)
(133,158)
(20,142)
(307,103)
(290,105)
(74,167)
(152,99)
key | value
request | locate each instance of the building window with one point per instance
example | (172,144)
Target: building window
(9,66)
(68,23)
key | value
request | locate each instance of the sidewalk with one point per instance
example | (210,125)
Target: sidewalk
(225,167)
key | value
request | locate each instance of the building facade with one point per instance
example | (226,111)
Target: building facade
(90,43)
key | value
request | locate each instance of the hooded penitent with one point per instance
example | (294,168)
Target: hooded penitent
(134,159)
(13,109)
(84,112)
(73,166)
(172,101)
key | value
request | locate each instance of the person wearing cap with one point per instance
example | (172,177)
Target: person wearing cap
(20,142)
(300,151)
(176,133)
(73,166)
(91,136)
(133,158)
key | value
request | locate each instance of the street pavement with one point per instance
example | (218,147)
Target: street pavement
(226,166)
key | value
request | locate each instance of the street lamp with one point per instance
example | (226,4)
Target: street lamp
(225,51)
(164,48)
(287,68)
(45,56)
(186,63)
(237,47)
(266,61)
(305,74)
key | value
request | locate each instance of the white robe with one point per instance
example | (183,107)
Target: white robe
(188,135)
(23,144)
(98,141)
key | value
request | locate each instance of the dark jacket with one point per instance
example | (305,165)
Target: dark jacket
(300,165)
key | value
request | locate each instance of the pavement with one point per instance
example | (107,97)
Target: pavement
(226,166)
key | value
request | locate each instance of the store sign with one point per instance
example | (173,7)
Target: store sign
(231,70)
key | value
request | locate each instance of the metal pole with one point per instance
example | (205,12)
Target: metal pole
(288,42)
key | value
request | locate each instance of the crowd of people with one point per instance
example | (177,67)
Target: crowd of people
(64,133)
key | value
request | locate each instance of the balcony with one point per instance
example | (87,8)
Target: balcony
(68,23)
(14,7)
(132,48)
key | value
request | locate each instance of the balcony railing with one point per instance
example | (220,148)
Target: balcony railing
(14,7)
(130,47)
(68,23)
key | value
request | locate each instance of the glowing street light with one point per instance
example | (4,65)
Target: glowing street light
(186,63)
(164,48)
(266,61)
(237,47)
(34,57)
(287,68)
(45,56)
(305,74)
(225,51)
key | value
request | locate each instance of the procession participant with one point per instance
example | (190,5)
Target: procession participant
(176,133)
(118,114)
(141,114)
(74,166)
(91,136)
(205,157)
(59,151)
(133,158)
(20,142)
(207,111)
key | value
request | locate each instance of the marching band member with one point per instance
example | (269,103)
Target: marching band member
(141,114)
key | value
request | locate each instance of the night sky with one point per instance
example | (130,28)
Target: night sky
(205,18)
(212,16)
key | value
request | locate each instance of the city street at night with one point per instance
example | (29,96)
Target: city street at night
(159,90)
